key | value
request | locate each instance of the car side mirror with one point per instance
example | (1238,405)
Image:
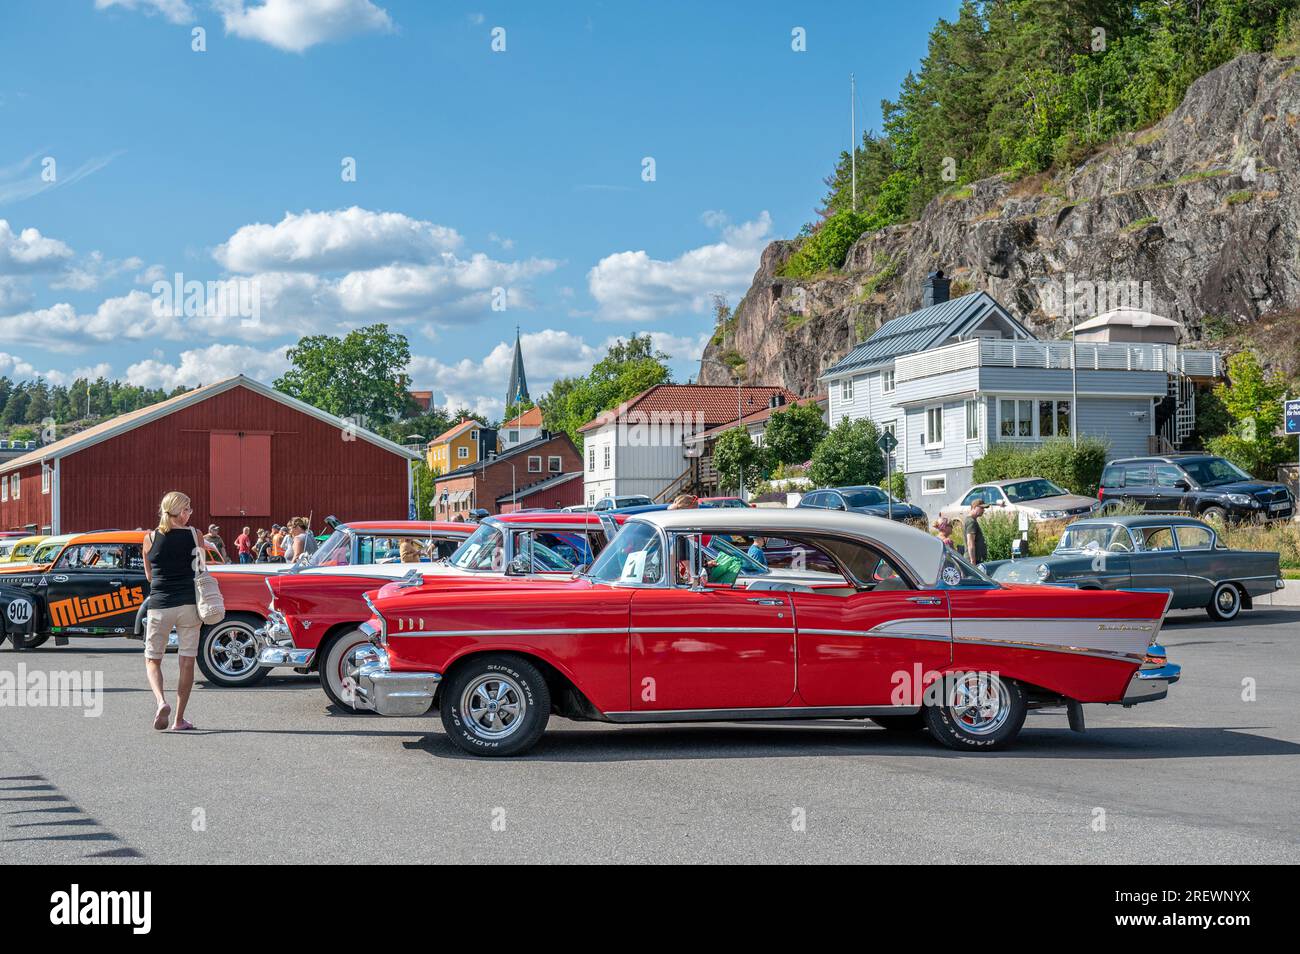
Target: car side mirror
(518,566)
(1182,485)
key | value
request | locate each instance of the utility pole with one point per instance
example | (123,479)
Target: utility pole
(853,137)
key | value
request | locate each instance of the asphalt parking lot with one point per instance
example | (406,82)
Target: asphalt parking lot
(277,775)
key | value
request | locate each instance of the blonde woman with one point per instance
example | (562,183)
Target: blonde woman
(170,554)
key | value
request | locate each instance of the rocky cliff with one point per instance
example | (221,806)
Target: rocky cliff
(1197,217)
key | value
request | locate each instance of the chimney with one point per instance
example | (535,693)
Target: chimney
(934,290)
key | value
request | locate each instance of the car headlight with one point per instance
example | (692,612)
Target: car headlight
(1044,571)
(1240,500)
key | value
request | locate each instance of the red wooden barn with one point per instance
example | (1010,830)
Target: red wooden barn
(245,454)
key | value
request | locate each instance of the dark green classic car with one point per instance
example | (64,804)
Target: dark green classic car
(1151,552)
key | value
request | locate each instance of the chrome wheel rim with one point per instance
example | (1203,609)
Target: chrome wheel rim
(232,651)
(980,703)
(346,670)
(1226,599)
(493,705)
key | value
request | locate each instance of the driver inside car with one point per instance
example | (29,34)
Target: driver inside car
(722,569)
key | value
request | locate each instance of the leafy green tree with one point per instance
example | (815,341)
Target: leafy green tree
(422,482)
(1252,398)
(848,456)
(739,461)
(628,368)
(793,432)
(359,375)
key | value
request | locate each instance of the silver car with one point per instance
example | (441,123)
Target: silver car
(1036,496)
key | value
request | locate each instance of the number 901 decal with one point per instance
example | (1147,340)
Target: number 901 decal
(19,612)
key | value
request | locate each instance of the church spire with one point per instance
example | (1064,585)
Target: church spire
(517,392)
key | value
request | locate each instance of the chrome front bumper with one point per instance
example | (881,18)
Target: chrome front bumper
(278,648)
(1151,682)
(379,689)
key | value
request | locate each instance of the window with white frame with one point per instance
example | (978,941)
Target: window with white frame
(934,426)
(462,453)
(972,420)
(935,485)
(607,457)
(553,464)
(591,459)
(1027,419)
(4,490)
(534,464)
(46,470)
(887,381)
(846,389)
(473,435)
(13,486)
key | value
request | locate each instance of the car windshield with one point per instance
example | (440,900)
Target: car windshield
(1096,536)
(483,550)
(46,554)
(1035,489)
(336,551)
(1214,471)
(870,497)
(23,552)
(634,556)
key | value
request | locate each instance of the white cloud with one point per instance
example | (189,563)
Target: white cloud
(176,11)
(632,286)
(14,295)
(21,370)
(28,252)
(126,318)
(21,181)
(296,25)
(94,269)
(345,239)
(205,365)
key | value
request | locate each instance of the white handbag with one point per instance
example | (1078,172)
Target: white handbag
(207,594)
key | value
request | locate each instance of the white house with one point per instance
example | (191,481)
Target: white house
(956,376)
(640,447)
(524,428)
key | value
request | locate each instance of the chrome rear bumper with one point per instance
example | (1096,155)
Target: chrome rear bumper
(1151,682)
(379,689)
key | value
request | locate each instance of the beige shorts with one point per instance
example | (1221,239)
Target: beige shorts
(159,625)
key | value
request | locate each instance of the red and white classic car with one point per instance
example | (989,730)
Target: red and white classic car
(909,635)
(228,649)
(315,615)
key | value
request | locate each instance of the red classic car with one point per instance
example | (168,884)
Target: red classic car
(909,635)
(228,649)
(315,615)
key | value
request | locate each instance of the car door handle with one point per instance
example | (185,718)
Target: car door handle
(762,601)
(114,582)
(925,600)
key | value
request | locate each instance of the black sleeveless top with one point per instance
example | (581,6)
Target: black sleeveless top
(171,558)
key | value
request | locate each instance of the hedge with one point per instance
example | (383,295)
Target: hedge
(1077,469)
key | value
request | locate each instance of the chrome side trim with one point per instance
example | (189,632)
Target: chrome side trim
(784,630)
(568,631)
(868,634)
(780,712)
(1116,655)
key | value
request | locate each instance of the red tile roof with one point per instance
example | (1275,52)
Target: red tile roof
(530,418)
(756,418)
(713,403)
(455,429)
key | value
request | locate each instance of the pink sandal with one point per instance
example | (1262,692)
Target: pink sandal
(183,726)
(160,717)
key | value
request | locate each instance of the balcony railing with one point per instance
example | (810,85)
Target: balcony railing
(1091,356)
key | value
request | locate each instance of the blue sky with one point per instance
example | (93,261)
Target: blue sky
(483,178)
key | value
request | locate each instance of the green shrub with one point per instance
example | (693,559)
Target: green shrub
(999,530)
(827,247)
(1077,469)
(848,456)
(897,482)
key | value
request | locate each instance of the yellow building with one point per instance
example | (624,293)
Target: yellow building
(455,447)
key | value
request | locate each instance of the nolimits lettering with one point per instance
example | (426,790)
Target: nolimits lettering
(77,907)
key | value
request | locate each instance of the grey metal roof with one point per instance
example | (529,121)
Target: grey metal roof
(917,331)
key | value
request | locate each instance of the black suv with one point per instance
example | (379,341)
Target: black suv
(1200,484)
(869,500)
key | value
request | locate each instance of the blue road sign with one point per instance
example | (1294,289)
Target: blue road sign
(1292,416)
